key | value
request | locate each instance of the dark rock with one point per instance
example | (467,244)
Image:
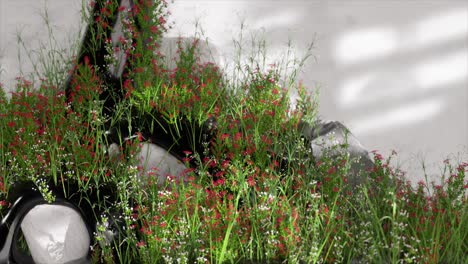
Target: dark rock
(334,139)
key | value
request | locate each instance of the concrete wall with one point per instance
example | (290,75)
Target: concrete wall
(395,72)
(25,30)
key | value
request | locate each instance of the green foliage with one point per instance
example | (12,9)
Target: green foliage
(257,195)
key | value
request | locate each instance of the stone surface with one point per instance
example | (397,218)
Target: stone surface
(332,138)
(158,163)
(55,234)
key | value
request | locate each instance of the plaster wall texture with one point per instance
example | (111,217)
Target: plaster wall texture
(394,72)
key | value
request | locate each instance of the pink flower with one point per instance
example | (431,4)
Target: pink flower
(219,182)
(141,244)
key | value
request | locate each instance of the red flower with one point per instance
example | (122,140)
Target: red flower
(141,244)
(251,181)
(237,136)
(154,29)
(224,136)
(219,182)
(139,136)
(325,209)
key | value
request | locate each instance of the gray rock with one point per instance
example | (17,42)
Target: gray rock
(55,234)
(334,139)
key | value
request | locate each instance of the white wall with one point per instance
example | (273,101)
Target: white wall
(27,19)
(395,72)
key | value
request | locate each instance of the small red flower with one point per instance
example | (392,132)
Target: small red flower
(219,182)
(251,181)
(237,136)
(224,136)
(140,136)
(378,156)
(141,244)
(154,29)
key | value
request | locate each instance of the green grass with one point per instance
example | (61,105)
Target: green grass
(256,194)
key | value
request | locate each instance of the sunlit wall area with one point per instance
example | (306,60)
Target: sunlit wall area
(403,71)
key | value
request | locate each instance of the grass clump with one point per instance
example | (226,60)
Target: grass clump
(252,192)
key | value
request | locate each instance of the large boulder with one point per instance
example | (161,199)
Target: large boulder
(55,234)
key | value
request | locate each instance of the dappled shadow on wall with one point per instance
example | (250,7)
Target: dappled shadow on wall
(407,72)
